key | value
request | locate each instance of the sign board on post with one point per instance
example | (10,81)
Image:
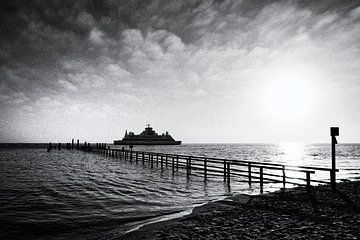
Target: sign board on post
(334,131)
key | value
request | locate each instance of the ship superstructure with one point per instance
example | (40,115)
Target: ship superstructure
(147,137)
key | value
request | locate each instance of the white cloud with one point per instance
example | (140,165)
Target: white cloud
(85,20)
(67,85)
(96,37)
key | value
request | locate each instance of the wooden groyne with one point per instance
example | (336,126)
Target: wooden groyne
(229,170)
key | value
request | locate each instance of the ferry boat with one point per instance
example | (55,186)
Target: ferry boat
(147,137)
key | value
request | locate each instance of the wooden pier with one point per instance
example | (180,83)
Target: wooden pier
(229,170)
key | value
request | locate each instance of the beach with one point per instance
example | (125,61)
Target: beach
(290,214)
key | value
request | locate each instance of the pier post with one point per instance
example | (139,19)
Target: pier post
(205,169)
(284,176)
(136,157)
(308,184)
(162,160)
(131,153)
(59,146)
(334,131)
(49,147)
(261,179)
(89,148)
(85,143)
(188,166)
(152,160)
(166,160)
(143,158)
(177,163)
(224,170)
(72,144)
(157,159)
(228,174)
(249,173)
(173,167)
(78,144)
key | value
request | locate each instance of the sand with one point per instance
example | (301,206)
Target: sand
(290,214)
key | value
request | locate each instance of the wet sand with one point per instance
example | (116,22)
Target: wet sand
(291,214)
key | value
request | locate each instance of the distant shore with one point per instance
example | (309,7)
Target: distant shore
(292,214)
(24,145)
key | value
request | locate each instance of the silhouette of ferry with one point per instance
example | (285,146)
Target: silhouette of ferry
(147,137)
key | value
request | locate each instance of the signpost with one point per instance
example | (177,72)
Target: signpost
(334,131)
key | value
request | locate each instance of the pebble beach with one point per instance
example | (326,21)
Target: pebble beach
(286,214)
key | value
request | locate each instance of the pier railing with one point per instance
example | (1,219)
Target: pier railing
(209,167)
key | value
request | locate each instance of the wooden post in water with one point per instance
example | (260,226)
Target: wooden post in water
(143,158)
(136,157)
(162,160)
(190,165)
(131,153)
(187,167)
(78,144)
(152,160)
(172,163)
(228,173)
(59,146)
(157,159)
(284,176)
(72,144)
(49,147)
(205,169)
(166,160)
(249,173)
(261,179)
(308,184)
(224,170)
(177,163)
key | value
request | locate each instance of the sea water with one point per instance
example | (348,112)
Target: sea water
(77,195)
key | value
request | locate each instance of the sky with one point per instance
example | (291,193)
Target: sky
(206,71)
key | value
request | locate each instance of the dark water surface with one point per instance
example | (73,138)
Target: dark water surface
(76,195)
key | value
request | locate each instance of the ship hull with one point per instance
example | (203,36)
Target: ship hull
(146,142)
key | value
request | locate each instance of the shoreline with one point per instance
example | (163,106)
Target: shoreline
(293,213)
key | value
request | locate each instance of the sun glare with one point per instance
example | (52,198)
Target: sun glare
(289,93)
(292,152)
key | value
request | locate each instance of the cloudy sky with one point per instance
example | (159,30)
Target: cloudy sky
(206,71)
